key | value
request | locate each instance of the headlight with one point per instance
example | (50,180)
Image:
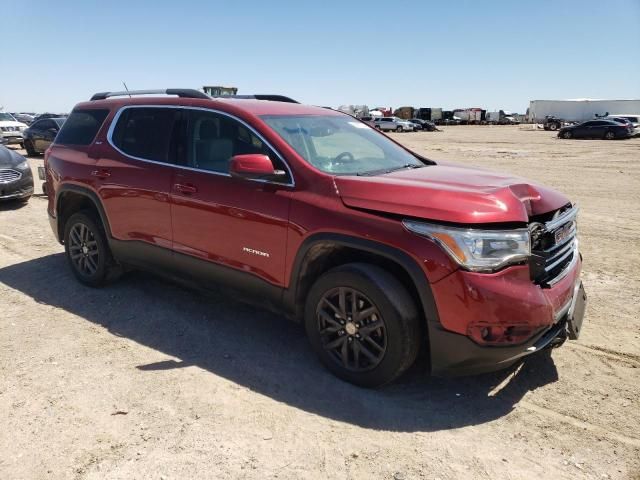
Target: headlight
(477,250)
(22,166)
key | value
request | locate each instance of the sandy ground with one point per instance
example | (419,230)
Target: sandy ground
(144,379)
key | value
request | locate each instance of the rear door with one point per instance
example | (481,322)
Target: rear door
(133,177)
(227,221)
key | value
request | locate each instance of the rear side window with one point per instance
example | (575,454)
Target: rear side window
(81,127)
(146,133)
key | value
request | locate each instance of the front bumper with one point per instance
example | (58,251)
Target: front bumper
(21,188)
(465,299)
(12,138)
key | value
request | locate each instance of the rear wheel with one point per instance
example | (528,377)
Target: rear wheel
(553,127)
(609,135)
(567,134)
(87,250)
(363,324)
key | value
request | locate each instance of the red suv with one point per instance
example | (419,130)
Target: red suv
(377,250)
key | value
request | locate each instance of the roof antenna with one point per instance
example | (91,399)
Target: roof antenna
(125,87)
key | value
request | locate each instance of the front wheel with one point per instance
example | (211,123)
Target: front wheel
(609,135)
(399,129)
(363,324)
(567,135)
(28,146)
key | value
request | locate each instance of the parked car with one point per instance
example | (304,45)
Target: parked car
(42,116)
(393,124)
(552,123)
(606,129)
(424,124)
(634,119)
(41,134)
(16,179)
(377,250)
(23,117)
(369,121)
(11,129)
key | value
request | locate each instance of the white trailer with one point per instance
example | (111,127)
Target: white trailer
(578,110)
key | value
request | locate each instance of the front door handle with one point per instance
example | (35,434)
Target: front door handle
(101,173)
(185,188)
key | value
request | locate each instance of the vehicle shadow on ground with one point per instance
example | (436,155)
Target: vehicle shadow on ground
(268,354)
(8,205)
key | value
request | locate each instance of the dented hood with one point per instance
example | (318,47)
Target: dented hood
(450,193)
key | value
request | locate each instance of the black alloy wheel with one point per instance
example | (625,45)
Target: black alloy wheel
(609,135)
(567,134)
(83,249)
(351,329)
(363,324)
(87,250)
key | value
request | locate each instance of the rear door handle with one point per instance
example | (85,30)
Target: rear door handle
(185,188)
(101,173)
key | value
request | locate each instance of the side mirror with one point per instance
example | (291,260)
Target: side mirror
(254,166)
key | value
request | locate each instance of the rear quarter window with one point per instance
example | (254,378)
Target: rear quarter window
(81,127)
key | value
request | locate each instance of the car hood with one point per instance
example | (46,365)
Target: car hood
(9,158)
(450,193)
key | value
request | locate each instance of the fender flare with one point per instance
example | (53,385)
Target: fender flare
(92,196)
(420,282)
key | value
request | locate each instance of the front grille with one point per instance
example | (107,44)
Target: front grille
(7,175)
(554,247)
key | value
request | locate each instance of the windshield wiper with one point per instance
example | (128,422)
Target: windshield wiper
(389,170)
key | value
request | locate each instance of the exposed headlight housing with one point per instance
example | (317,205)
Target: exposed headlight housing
(475,249)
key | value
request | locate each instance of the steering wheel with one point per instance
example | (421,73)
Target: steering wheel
(344,156)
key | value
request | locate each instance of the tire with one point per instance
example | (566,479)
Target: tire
(31,152)
(377,127)
(609,135)
(399,129)
(84,235)
(553,127)
(567,135)
(390,349)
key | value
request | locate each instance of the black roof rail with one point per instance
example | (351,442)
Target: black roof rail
(180,92)
(261,96)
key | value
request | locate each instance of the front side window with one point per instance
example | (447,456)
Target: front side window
(213,139)
(145,132)
(81,127)
(340,145)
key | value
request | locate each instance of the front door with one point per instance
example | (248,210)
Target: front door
(230,222)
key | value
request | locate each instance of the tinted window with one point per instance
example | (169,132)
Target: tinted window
(589,124)
(81,127)
(39,125)
(146,132)
(213,139)
(46,125)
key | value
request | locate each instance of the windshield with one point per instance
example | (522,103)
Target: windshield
(340,145)
(6,117)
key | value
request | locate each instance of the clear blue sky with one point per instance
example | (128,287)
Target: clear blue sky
(491,54)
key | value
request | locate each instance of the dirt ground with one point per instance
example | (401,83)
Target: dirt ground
(144,379)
